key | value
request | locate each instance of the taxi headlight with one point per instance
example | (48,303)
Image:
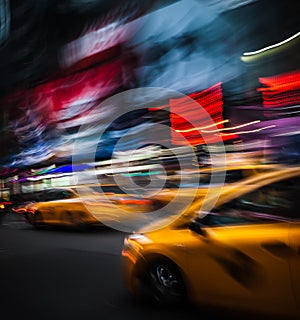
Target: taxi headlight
(135,242)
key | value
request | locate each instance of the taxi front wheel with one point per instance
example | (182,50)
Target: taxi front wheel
(166,283)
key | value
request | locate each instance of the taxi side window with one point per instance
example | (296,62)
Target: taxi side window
(65,194)
(57,195)
(278,199)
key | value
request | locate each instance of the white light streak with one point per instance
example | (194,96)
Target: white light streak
(250,131)
(251,53)
(200,129)
(232,128)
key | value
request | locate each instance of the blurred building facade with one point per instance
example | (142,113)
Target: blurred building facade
(243,71)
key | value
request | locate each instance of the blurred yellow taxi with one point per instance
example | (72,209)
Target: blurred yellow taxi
(242,254)
(79,206)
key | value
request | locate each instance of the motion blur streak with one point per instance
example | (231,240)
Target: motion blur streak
(233,128)
(4,20)
(205,127)
(129,256)
(272,46)
(249,131)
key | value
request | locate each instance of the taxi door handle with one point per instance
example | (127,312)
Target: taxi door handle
(278,248)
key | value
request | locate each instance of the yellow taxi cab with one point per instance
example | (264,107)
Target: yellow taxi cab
(80,206)
(210,177)
(244,254)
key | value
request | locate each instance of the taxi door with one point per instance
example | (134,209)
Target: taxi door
(243,266)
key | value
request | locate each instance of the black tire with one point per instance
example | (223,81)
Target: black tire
(67,219)
(165,282)
(27,217)
(74,220)
(81,223)
(36,220)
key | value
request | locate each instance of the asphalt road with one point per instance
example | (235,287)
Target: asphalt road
(62,274)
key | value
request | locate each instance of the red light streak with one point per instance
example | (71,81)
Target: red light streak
(129,256)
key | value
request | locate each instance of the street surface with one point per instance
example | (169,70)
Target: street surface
(63,274)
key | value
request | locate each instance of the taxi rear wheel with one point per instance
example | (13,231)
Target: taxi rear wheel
(165,282)
(36,220)
(74,219)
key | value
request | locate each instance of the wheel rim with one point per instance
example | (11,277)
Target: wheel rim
(166,277)
(167,285)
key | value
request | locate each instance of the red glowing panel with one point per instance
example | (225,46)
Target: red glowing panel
(73,95)
(289,79)
(282,90)
(87,86)
(190,117)
(66,102)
